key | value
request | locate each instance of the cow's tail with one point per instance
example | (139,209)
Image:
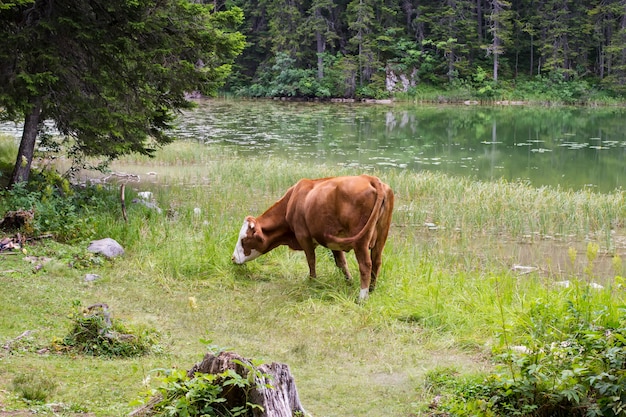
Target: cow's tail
(380,199)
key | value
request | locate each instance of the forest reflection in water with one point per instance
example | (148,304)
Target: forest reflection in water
(573,148)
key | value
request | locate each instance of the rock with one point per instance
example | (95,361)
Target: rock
(521,349)
(146,195)
(522,269)
(149,204)
(91,277)
(107,247)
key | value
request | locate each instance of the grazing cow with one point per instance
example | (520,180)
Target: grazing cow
(340,213)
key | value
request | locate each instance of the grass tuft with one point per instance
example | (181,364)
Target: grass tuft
(33,387)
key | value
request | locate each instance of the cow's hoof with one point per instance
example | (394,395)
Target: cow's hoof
(363,295)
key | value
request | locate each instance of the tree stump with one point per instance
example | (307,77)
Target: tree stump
(17,220)
(275,390)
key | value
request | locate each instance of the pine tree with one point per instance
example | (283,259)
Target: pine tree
(452,33)
(285,22)
(320,25)
(616,48)
(500,27)
(361,22)
(109,73)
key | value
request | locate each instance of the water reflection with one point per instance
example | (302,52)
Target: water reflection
(567,147)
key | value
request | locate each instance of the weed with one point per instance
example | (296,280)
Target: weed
(94,333)
(617,264)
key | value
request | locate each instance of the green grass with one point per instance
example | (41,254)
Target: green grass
(446,297)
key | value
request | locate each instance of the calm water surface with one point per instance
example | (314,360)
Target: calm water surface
(573,148)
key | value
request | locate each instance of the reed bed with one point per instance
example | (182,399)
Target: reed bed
(440,267)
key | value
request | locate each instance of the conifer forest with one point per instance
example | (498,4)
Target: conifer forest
(375,48)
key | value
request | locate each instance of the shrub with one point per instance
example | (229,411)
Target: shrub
(573,364)
(59,208)
(202,395)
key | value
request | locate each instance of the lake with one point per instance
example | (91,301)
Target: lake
(574,148)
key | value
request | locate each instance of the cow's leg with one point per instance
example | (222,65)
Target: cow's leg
(340,261)
(309,251)
(365,269)
(379,244)
(377,260)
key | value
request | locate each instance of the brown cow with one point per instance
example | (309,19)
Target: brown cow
(340,213)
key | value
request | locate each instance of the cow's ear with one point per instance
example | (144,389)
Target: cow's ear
(251,222)
(254,230)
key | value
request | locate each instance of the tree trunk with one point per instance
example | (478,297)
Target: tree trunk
(21,171)
(281,400)
(495,68)
(532,55)
(321,47)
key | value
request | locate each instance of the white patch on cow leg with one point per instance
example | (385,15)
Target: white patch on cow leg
(239,256)
(364,294)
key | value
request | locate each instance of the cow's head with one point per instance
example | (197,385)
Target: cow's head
(250,242)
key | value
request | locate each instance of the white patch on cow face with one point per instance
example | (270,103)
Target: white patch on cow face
(239,255)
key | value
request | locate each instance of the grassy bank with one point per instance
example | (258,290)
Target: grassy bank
(452,290)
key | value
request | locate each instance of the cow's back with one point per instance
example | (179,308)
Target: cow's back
(338,207)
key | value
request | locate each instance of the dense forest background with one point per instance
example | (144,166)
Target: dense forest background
(573,49)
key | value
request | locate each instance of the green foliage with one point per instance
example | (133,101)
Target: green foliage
(34,388)
(484,85)
(375,88)
(110,74)
(8,151)
(95,333)
(554,88)
(284,79)
(205,394)
(59,208)
(573,363)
